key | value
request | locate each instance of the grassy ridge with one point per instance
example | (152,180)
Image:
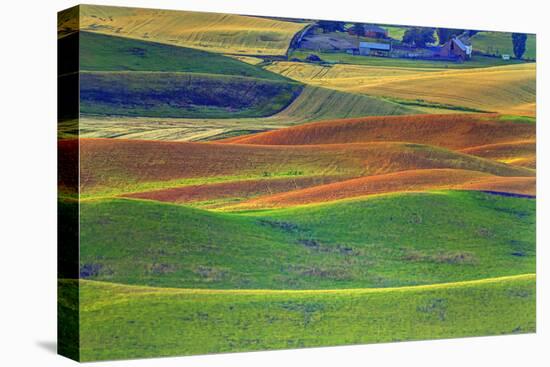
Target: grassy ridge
(427,238)
(116,320)
(182,95)
(215,32)
(110,53)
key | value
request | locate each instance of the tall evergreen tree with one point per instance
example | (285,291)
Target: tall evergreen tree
(518,41)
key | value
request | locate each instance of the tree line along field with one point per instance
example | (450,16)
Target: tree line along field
(234,194)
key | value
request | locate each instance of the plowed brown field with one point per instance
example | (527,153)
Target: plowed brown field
(453,131)
(113,166)
(415,180)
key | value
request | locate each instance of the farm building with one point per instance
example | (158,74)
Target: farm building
(374,49)
(456,47)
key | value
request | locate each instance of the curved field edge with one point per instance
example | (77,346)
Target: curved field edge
(123,321)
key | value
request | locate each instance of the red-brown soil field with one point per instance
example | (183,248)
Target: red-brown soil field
(453,131)
(415,180)
(110,163)
(233,189)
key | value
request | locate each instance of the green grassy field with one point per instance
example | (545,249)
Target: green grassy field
(164,94)
(109,53)
(427,238)
(119,321)
(498,43)
(128,77)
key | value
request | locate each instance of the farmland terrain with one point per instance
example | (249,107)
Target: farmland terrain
(506,89)
(222,33)
(240,183)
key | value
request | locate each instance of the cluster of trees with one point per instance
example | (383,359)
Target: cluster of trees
(331,26)
(421,36)
(358,29)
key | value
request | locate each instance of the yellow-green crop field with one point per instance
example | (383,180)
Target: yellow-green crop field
(504,89)
(214,32)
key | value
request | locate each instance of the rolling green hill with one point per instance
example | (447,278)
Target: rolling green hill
(165,94)
(109,53)
(427,238)
(128,77)
(120,321)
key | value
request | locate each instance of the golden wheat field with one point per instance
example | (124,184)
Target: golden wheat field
(214,32)
(506,89)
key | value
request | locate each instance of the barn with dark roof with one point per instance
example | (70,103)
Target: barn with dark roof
(456,48)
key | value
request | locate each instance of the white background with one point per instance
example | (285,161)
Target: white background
(28,182)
